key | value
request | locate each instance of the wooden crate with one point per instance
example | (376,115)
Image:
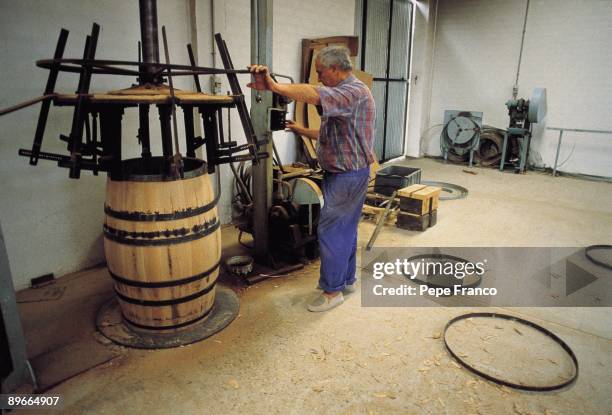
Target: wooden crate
(414,222)
(419,199)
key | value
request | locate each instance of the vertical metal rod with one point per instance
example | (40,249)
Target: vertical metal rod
(211,135)
(150,42)
(220,122)
(83,68)
(525,150)
(310,219)
(80,109)
(110,136)
(384,143)
(166,130)
(407,75)
(364,23)
(229,124)
(278,160)
(94,137)
(518,68)
(143,130)
(502,161)
(192,61)
(176,163)
(558,148)
(243,188)
(261,53)
(196,79)
(529,127)
(87,133)
(189,130)
(523,154)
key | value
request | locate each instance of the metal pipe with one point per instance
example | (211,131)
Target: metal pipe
(518,68)
(243,188)
(275,274)
(557,155)
(389,33)
(25,104)
(149,37)
(364,22)
(381,221)
(502,161)
(212,34)
(261,53)
(577,130)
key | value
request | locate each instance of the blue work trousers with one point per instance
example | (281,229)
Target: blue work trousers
(343,195)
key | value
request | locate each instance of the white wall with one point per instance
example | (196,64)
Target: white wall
(232,18)
(566,50)
(54,224)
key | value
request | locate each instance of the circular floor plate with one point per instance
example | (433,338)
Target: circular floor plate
(450,191)
(110,323)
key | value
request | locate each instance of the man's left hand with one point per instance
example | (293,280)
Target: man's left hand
(263,80)
(294,127)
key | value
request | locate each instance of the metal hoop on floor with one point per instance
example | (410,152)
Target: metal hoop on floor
(499,381)
(587,253)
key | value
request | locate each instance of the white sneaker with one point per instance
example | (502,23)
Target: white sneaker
(324,302)
(350,288)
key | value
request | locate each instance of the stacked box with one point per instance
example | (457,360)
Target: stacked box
(416,222)
(418,207)
(393,178)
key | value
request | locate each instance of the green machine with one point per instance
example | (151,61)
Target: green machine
(523,114)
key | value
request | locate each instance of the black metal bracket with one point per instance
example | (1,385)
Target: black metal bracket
(44,110)
(247,125)
(80,109)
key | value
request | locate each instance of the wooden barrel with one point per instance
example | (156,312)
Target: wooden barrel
(162,244)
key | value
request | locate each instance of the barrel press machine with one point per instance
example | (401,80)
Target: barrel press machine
(165,297)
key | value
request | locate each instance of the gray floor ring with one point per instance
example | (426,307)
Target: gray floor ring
(449,191)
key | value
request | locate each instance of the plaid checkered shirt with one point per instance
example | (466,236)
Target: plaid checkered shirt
(346,136)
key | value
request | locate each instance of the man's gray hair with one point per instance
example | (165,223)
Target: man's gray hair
(337,56)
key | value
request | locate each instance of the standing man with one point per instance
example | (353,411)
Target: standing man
(345,149)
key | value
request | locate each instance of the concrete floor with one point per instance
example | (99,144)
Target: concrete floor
(276,357)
